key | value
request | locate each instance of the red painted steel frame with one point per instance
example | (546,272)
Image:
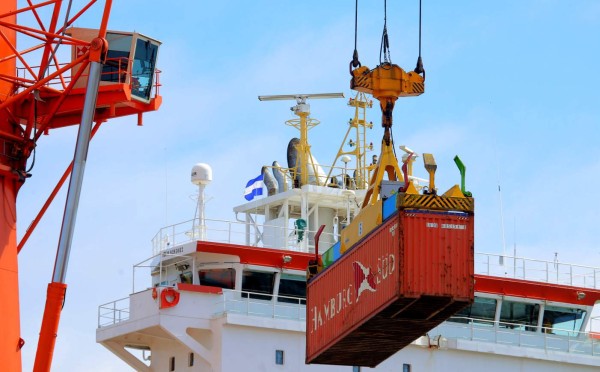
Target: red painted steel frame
(51,197)
(17,145)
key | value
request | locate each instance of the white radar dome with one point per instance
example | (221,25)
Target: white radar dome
(201,174)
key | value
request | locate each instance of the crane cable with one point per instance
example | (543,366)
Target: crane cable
(385,43)
(419,69)
(355,62)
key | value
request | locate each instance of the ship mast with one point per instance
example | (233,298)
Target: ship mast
(303,124)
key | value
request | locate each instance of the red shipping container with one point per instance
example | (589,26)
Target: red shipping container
(406,277)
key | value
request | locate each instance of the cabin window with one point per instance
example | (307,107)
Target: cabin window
(172,364)
(142,70)
(222,278)
(259,284)
(355,369)
(482,311)
(519,315)
(406,367)
(117,58)
(562,321)
(191,360)
(293,288)
(279,357)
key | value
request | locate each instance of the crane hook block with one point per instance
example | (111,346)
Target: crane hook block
(387,81)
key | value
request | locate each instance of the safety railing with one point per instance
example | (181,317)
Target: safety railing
(113,312)
(235,302)
(260,304)
(513,334)
(537,270)
(235,232)
(115,70)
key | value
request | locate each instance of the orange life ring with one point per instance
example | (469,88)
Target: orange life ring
(168,298)
(154,293)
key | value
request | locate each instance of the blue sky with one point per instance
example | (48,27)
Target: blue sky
(512,87)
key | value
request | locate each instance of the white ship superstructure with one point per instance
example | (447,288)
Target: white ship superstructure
(231,295)
(235,301)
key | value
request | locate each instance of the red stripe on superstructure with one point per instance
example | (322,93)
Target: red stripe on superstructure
(536,290)
(258,256)
(199,288)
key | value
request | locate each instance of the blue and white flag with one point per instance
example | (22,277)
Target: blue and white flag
(254,187)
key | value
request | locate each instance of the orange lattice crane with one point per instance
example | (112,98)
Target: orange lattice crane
(109,74)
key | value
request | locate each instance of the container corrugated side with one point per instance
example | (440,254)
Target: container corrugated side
(353,289)
(438,254)
(427,277)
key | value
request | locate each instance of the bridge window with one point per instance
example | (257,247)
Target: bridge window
(519,315)
(222,278)
(562,320)
(482,311)
(259,283)
(293,287)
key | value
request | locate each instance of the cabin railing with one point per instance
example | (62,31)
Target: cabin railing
(537,270)
(232,301)
(513,334)
(259,304)
(456,328)
(237,232)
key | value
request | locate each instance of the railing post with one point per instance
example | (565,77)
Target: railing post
(471,330)
(545,340)
(570,274)
(547,278)
(229,233)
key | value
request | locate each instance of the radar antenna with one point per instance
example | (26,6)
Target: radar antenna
(303,124)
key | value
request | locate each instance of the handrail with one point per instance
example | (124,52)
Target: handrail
(113,312)
(466,328)
(122,71)
(230,232)
(537,270)
(241,302)
(482,330)
(233,301)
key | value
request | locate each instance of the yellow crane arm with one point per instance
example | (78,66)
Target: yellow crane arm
(386,83)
